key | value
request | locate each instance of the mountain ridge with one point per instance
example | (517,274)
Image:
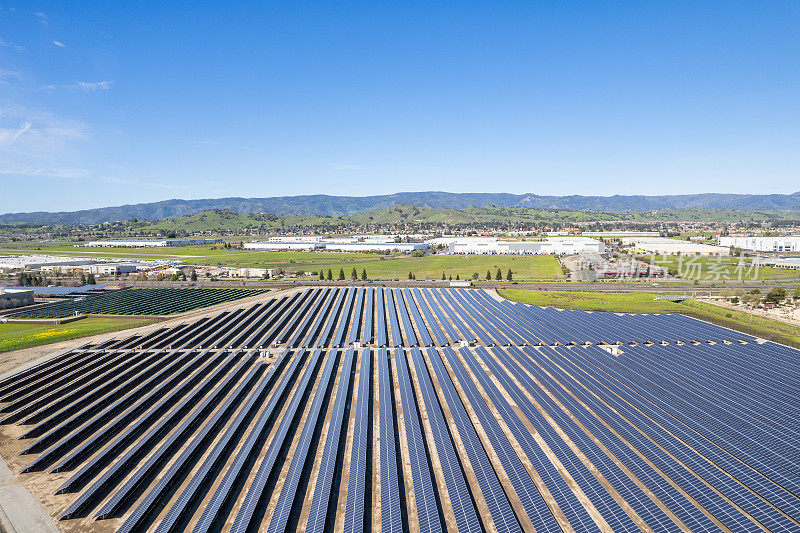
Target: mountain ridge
(328,205)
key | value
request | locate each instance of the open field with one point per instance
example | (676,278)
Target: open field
(16,336)
(643,302)
(719,268)
(378,266)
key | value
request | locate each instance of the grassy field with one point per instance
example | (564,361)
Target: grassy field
(378,266)
(15,336)
(719,268)
(640,302)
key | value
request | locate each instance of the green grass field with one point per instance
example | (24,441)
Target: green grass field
(644,302)
(719,268)
(15,336)
(378,266)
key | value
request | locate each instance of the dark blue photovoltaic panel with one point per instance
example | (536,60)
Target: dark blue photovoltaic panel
(356,322)
(357,499)
(221,494)
(391,519)
(369,311)
(433,326)
(397,338)
(424,337)
(424,496)
(322,488)
(408,329)
(535,508)
(279,517)
(499,507)
(183,432)
(381,338)
(460,500)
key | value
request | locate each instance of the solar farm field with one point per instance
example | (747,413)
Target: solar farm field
(361,409)
(166,301)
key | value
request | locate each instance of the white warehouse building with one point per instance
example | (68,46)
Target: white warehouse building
(787,243)
(550,246)
(375,246)
(279,246)
(148,243)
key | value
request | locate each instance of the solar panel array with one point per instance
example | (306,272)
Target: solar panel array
(159,301)
(356,409)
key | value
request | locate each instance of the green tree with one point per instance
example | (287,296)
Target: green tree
(488,275)
(82,278)
(451,277)
(193,277)
(330,274)
(364,274)
(796,292)
(776,295)
(410,275)
(475,276)
(509,276)
(90,279)
(499,275)
(341,274)
(443,277)
(321,275)
(354,274)
(458,277)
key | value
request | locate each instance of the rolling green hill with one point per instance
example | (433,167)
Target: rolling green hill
(226,221)
(332,206)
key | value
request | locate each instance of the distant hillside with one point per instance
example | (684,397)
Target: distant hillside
(332,206)
(223,220)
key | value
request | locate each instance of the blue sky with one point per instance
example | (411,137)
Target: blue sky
(107,103)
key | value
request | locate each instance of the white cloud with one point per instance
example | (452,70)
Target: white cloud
(9,136)
(87,86)
(22,169)
(41,16)
(94,85)
(31,135)
(6,74)
(6,44)
(59,44)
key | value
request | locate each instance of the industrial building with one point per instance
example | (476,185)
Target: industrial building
(375,246)
(786,243)
(281,245)
(147,243)
(549,246)
(666,246)
(11,297)
(789,263)
(602,234)
(376,409)
(296,238)
(336,246)
(37,262)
